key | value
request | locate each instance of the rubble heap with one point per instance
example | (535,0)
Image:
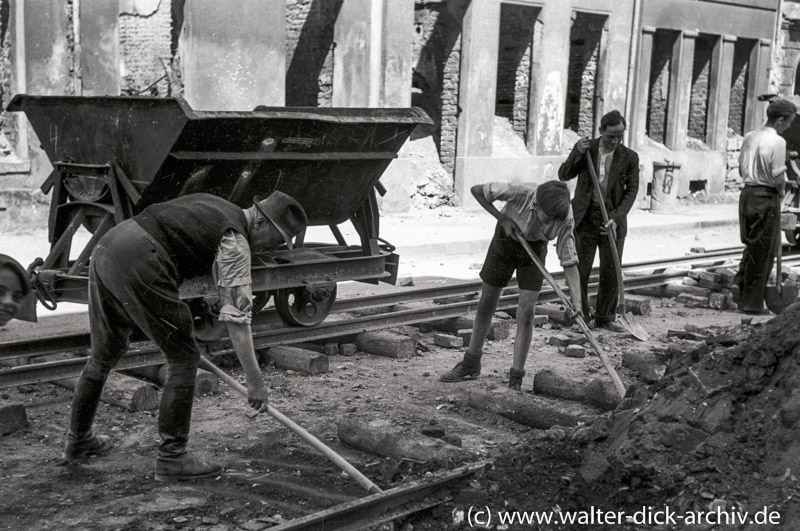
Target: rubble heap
(719,429)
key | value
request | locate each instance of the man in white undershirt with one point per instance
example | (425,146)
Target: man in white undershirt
(618,172)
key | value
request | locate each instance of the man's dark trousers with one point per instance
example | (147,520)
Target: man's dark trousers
(588,239)
(133,283)
(757,218)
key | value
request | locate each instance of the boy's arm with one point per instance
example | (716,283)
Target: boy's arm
(508,225)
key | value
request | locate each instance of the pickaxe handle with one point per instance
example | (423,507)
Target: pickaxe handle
(335,458)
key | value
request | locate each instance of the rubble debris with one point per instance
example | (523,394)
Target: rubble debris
(448,341)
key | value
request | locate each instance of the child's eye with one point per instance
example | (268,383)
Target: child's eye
(18,298)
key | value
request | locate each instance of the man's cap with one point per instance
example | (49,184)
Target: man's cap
(8,262)
(284,212)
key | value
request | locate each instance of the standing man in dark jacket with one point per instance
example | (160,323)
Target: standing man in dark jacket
(134,276)
(617,169)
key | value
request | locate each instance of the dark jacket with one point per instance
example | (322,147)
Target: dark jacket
(622,188)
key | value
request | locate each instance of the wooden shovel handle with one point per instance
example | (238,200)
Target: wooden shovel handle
(335,458)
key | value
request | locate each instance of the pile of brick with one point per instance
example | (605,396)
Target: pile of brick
(713,289)
(710,287)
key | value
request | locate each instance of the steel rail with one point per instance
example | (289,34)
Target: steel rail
(370,511)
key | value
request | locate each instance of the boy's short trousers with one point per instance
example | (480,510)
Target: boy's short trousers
(505,255)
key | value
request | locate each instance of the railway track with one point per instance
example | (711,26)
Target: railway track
(144,353)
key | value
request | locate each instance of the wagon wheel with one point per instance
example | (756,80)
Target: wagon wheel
(260,300)
(305,305)
(207,326)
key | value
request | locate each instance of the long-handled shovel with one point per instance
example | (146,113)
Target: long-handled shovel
(578,318)
(335,458)
(781,294)
(626,319)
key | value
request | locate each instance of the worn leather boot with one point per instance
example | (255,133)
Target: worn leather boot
(468,368)
(81,442)
(174,463)
(515,377)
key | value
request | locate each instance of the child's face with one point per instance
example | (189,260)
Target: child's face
(11,295)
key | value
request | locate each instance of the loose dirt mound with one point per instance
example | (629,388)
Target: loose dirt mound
(717,434)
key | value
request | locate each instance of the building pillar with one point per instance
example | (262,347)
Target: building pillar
(757,84)
(477,86)
(549,107)
(97,47)
(18,44)
(719,92)
(234,54)
(373,53)
(642,87)
(398,43)
(680,91)
(46,47)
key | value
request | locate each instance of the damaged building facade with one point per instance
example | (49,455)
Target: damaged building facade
(511,85)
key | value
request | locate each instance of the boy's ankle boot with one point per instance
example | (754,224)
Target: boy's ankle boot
(468,368)
(515,377)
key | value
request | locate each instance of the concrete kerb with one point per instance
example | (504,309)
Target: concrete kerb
(478,246)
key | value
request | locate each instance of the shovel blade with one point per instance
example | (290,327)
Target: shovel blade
(778,298)
(633,327)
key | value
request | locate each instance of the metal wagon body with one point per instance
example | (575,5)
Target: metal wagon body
(114,156)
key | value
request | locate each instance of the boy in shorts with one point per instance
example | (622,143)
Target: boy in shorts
(539,213)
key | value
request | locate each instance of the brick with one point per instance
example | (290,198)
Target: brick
(405,281)
(465,335)
(13,418)
(718,301)
(692,301)
(709,276)
(575,351)
(540,320)
(686,281)
(559,340)
(703,283)
(637,305)
(448,341)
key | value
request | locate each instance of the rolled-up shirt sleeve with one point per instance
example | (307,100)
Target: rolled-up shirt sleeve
(565,243)
(232,276)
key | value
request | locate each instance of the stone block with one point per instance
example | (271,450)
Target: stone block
(405,282)
(540,320)
(703,283)
(686,281)
(13,418)
(447,341)
(348,349)
(465,335)
(499,330)
(575,351)
(718,301)
(331,349)
(637,305)
(693,301)
(559,340)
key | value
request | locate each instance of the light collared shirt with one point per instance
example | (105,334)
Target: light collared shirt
(521,207)
(763,158)
(232,277)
